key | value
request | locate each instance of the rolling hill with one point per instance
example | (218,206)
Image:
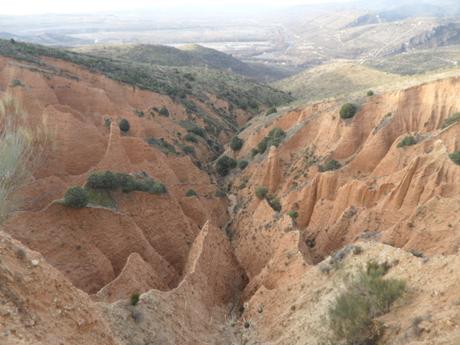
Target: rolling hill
(192,55)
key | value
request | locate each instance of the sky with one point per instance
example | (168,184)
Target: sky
(24,7)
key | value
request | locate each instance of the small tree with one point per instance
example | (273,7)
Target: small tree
(370,93)
(224,165)
(348,110)
(261,192)
(124,125)
(76,197)
(236,143)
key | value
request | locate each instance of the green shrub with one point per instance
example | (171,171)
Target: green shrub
(254,152)
(139,113)
(236,143)
(367,296)
(270,111)
(198,131)
(190,193)
(370,93)
(407,141)
(455,157)
(348,110)
(76,197)
(189,150)
(451,120)
(330,166)
(190,137)
(224,165)
(163,111)
(129,183)
(261,192)
(102,180)
(274,203)
(262,146)
(134,298)
(274,138)
(293,214)
(242,164)
(124,125)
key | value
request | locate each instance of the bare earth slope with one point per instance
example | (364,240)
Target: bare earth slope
(264,278)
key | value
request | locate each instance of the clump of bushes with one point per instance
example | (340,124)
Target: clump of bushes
(236,143)
(451,120)
(76,197)
(190,193)
(242,164)
(367,296)
(261,192)
(163,111)
(407,141)
(270,111)
(134,300)
(348,110)
(330,166)
(293,214)
(274,138)
(455,157)
(127,183)
(124,125)
(102,180)
(224,165)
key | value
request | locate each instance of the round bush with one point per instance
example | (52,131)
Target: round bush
(261,192)
(370,93)
(242,164)
(236,143)
(76,197)
(348,110)
(190,193)
(124,125)
(224,165)
(293,214)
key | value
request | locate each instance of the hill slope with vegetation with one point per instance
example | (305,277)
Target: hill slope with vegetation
(192,55)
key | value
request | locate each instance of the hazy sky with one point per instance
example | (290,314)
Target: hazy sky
(19,7)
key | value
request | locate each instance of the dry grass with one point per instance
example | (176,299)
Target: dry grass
(19,151)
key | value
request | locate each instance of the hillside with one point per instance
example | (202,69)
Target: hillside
(222,265)
(335,79)
(145,221)
(185,56)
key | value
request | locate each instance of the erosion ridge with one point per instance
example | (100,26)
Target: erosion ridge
(217,270)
